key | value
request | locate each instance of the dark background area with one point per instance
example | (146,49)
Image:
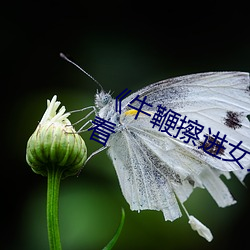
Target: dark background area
(123,44)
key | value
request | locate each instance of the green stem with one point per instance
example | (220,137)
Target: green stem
(54,177)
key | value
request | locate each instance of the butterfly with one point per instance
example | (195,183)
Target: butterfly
(156,169)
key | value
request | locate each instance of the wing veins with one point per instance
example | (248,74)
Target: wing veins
(144,184)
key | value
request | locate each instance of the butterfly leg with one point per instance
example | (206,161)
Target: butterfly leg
(84,118)
(94,153)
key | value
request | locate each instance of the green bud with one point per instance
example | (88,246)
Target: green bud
(55,144)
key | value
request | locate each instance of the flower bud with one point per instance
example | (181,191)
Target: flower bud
(55,144)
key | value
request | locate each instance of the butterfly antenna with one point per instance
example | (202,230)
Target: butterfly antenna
(68,60)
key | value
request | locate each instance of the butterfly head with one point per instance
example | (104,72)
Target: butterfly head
(102,99)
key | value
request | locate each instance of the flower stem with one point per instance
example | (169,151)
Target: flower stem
(54,177)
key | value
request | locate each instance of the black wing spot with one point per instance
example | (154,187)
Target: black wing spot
(191,181)
(212,148)
(248,117)
(248,89)
(233,119)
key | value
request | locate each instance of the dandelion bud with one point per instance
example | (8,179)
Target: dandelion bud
(55,143)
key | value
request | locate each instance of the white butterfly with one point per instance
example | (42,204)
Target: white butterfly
(157,171)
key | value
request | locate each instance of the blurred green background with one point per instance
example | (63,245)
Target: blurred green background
(123,45)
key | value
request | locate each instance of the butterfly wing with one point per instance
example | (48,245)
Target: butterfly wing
(153,167)
(141,183)
(219,101)
(178,92)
